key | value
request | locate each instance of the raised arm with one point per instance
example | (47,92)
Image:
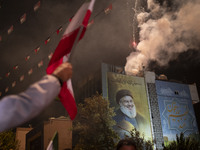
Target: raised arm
(17,109)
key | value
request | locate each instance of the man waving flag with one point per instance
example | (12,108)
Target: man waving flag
(71,36)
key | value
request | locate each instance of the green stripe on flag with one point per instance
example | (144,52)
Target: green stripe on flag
(55,141)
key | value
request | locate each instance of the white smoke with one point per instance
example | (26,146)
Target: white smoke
(164,34)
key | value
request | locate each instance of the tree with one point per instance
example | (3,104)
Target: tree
(139,140)
(94,124)
(183,143)
(8,141)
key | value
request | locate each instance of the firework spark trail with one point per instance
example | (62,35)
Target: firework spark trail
(134,18)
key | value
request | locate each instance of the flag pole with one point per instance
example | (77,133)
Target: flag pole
(74,46)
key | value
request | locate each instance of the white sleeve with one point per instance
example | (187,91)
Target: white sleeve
(17,109)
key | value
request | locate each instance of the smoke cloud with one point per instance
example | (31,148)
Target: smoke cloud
(165,33)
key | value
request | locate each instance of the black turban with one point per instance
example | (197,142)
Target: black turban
(121,94)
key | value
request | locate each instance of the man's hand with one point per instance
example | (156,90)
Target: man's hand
(64,71)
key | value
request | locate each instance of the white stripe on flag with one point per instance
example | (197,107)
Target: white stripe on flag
(76,21)
(50,146)
(91,6)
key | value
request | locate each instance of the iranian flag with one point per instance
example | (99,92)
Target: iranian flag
(74,32)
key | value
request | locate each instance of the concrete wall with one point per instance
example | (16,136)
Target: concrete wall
(64,128)
(194,93)
(21,136)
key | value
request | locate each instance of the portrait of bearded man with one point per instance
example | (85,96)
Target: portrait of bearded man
(127,116)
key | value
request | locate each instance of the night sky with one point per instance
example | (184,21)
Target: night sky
(106,40)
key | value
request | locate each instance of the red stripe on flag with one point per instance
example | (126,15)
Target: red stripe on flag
(64,47)
(68,101)
(87,17)
(53,66)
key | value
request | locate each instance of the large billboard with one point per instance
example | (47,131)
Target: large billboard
(127,94)
(176,110)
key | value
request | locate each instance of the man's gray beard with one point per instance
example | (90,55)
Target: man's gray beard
(130,113)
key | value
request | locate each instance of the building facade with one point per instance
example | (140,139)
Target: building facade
(167,107)
(39,137)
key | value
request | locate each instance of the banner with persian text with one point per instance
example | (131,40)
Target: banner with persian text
(176,110)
